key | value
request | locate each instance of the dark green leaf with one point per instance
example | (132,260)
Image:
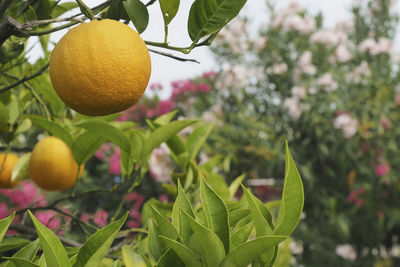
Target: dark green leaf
(156,247)
(169,259)
(20,262)
(61,8)
(169,8)
(182,202)
(27,252)
(242,235)
(209,16)
(3,118)
(165,226)
(197,139)
(10,243)
(138,14)
(85,145)
(237,215)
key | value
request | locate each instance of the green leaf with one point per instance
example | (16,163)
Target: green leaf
(25,125)
(11,243)
(197,139)
(169,259)
(52,127)
(28,252)
(156,247)
(233,187)
(61,8)
(210,243)
(3,118)
(20,170)
(117,263)
(138,14)
(43,9)
(53,250)
(132,258)
(242,235)
(95,248)
(4,224)
(209,16)
(167,117)
(262,226)
(163,134)
(292,199)
(237,215)
(218,184)
(183,252)
(165,226)
(85,145)
(20,262)
(182,202)
(107,131)
(216,214)
(249,251)
(169,8)
(13,111)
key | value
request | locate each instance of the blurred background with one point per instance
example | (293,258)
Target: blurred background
(323,75)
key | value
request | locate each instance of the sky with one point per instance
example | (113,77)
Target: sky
(165,70)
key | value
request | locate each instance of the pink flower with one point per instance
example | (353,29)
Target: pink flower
(385,123)
(4,211)
(100,218)
(48,218)
(398,100)
(135,218)
(85,217)
(165,106)
(202,87)
(115,165)
(156,86)
(209,74)
(382,169)
(163,198)
(124,117)
(131,197)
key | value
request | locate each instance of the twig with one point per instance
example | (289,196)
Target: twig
(17,149)
(38,73)
(174,57)
(85,10)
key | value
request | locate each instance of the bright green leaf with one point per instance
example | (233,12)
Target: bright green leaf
(85,145)
(242,235)
(53,128)
(169,259)
(20,170)
(183,252)
(20,262)
(4,224)
(197,139)
(233,187)
(138,14)
(27,252)
(132,258)
(11,243)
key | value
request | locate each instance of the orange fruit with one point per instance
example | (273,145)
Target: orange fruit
(52,166)
(100,67)
(7,163)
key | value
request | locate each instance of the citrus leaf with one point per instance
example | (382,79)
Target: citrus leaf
(20,262)
(4,224)
(156,247)
(169,8)
(233,187)
(25,125)
(169,259)
(165,226)
(292,198)
(183,252)
(138,14)
(165,118)
(95,248)
(249,251)
(20,170)
(209,16)
(3,118)
(163,134)
(85,145)
(11,243)
(197,139)
(132,258)
(53,250)
(181,202)
(61,8)
(27,252)
(52,127)
(212,246)
(242,235)
(216,214)
(107,131)
(236,215)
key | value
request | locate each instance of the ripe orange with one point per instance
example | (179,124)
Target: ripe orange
(7,163)
(52,166)
(100,67)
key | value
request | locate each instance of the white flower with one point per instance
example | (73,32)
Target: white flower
(346,26)
(296,247)
(343,54)
(299,91)
(278,68)
(293,105)
(327,82)
(160,164)
(261,43)
(360,71)
(298,23)
(384,45)
(330,38)
(305,63)
(347,124)
(346,251)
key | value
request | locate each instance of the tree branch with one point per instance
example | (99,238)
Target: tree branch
(10,27)
(174,57)
(38,73)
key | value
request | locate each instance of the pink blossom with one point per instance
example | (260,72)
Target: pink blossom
(385,123)
(209,74)
(124,117)
(135,220)
(100,218)
(202,87)
(115,165)
(163,198)
(131,197)
(165,106)
(398,100)
(382,169)
(156,86)
(85,217)
(4,211)
(48,218)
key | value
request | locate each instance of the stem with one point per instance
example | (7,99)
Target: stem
(38,73)
(85,10)
(165,45)
(174,57)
